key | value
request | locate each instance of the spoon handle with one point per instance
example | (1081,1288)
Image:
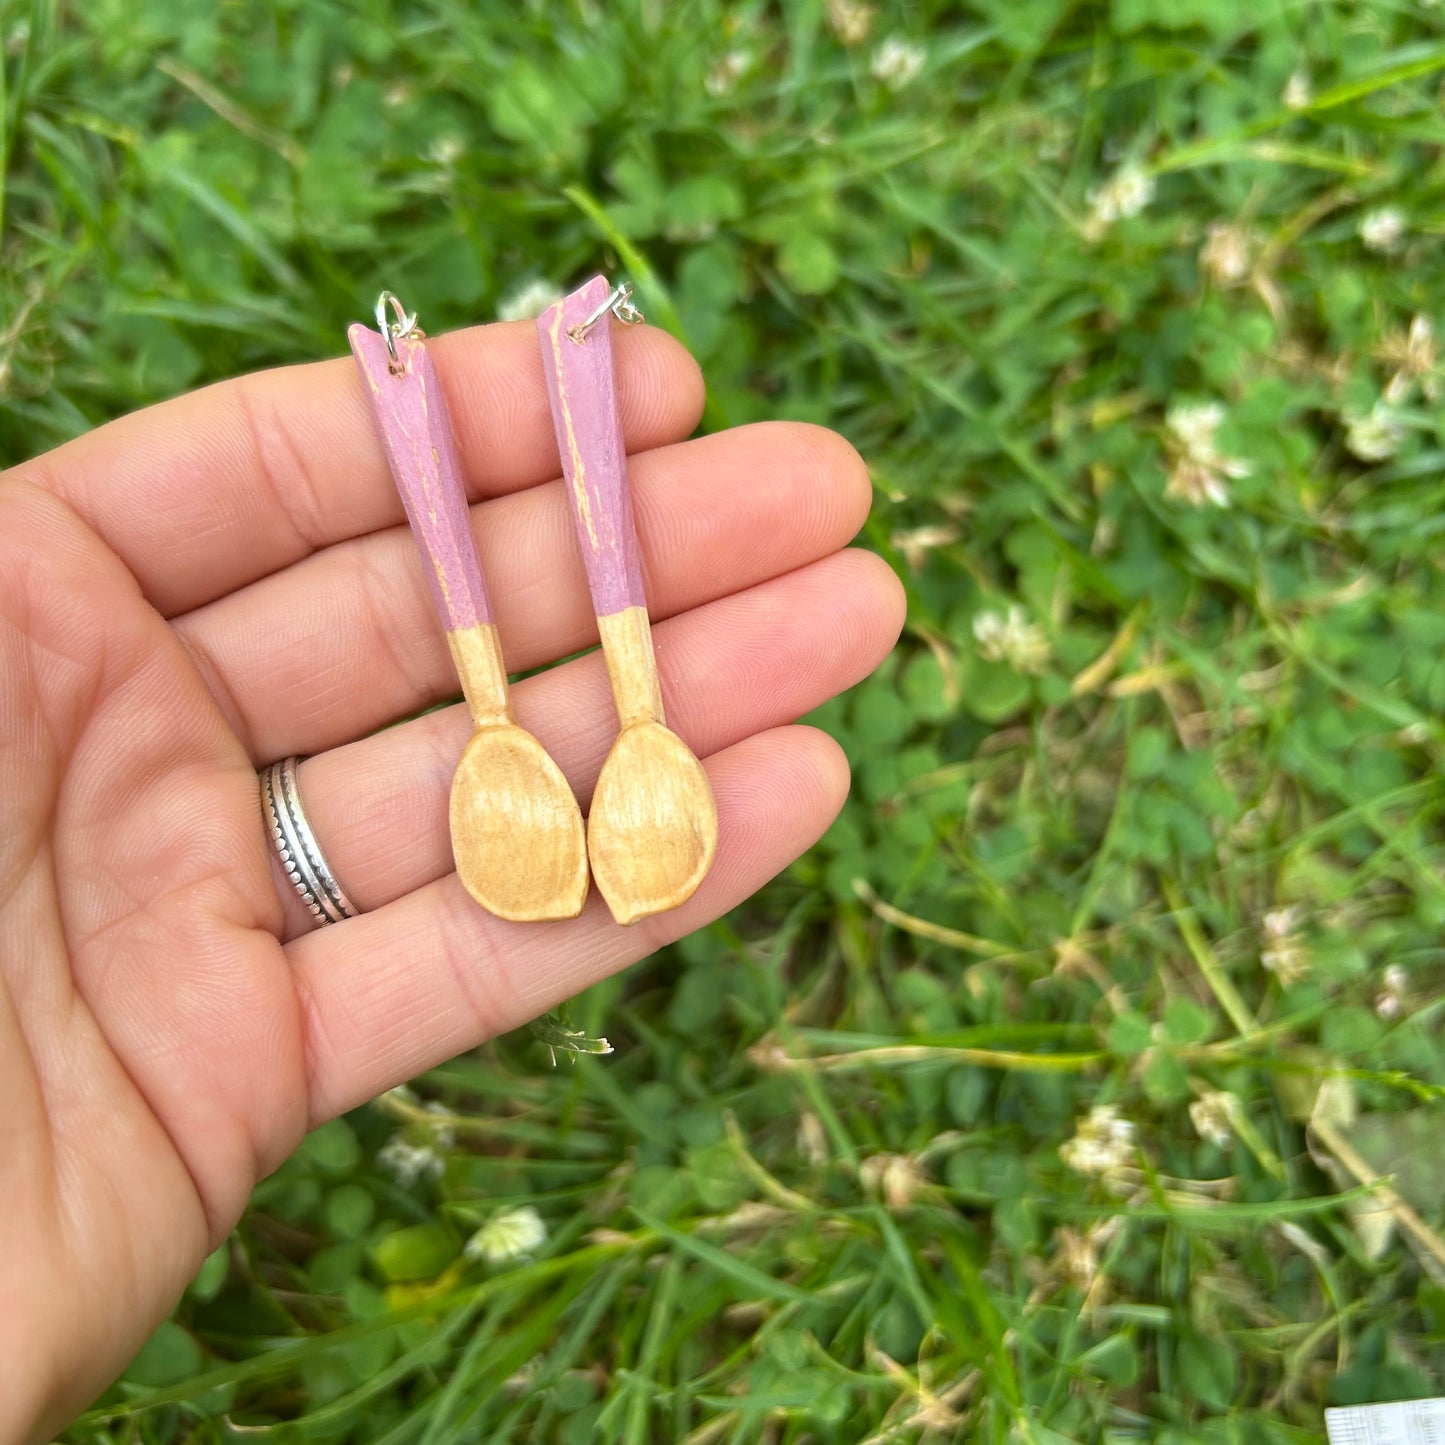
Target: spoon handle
(583,391)
(406,400)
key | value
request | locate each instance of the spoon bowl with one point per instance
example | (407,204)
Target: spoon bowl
(516,831)
(652,827)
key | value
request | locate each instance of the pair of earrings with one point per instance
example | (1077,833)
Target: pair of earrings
(517,833)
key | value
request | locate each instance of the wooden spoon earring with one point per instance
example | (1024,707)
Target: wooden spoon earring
(652,827)
(516,829)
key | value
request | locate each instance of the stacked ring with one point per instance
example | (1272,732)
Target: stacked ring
(296,844)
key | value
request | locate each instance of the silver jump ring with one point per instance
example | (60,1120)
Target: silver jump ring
(394,331)
(619,303)
(300,853)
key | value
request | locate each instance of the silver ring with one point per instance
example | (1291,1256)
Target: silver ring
(618,302)
(394,331)
(300,853)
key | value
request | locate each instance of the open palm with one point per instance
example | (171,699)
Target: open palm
(197,590)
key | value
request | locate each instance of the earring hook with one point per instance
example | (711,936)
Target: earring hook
(619,303)
(394,331)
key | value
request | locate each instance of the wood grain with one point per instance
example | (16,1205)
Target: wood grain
(416,433)
(583,393)
(477,655)
(632,666)
(652,828)
(517,833)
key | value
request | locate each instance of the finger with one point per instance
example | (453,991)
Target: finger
(391,993)
(738,666)
(212,490)
(348,640)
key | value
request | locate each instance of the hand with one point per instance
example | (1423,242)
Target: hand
(192,592)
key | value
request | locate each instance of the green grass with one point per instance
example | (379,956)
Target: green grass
(818,1192)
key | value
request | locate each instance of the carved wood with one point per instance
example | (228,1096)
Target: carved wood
(517,832)
(652,827)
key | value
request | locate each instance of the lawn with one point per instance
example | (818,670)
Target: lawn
(1087,1081)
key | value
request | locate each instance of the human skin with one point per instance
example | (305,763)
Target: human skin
(194,591)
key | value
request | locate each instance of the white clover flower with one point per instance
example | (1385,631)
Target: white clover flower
(1077,1256)
(528,301)
(917,542)
(1383,230)
(446,151)
(1212,1115)
(1390,1001)
(1103,1142)
(407,1162)
(1125,193)
(812,1141)
(508,1235)
(894,1178)
(1415,355)
(850,21)
(444,1136)
(1193,427)
(1199,472)
(896,62)
(1298,93)
(1011,638)
(1225,255)
(1284,953)
(724,76)
(1376,436)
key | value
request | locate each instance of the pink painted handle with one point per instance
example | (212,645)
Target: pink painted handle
(411,414)
(583,390)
